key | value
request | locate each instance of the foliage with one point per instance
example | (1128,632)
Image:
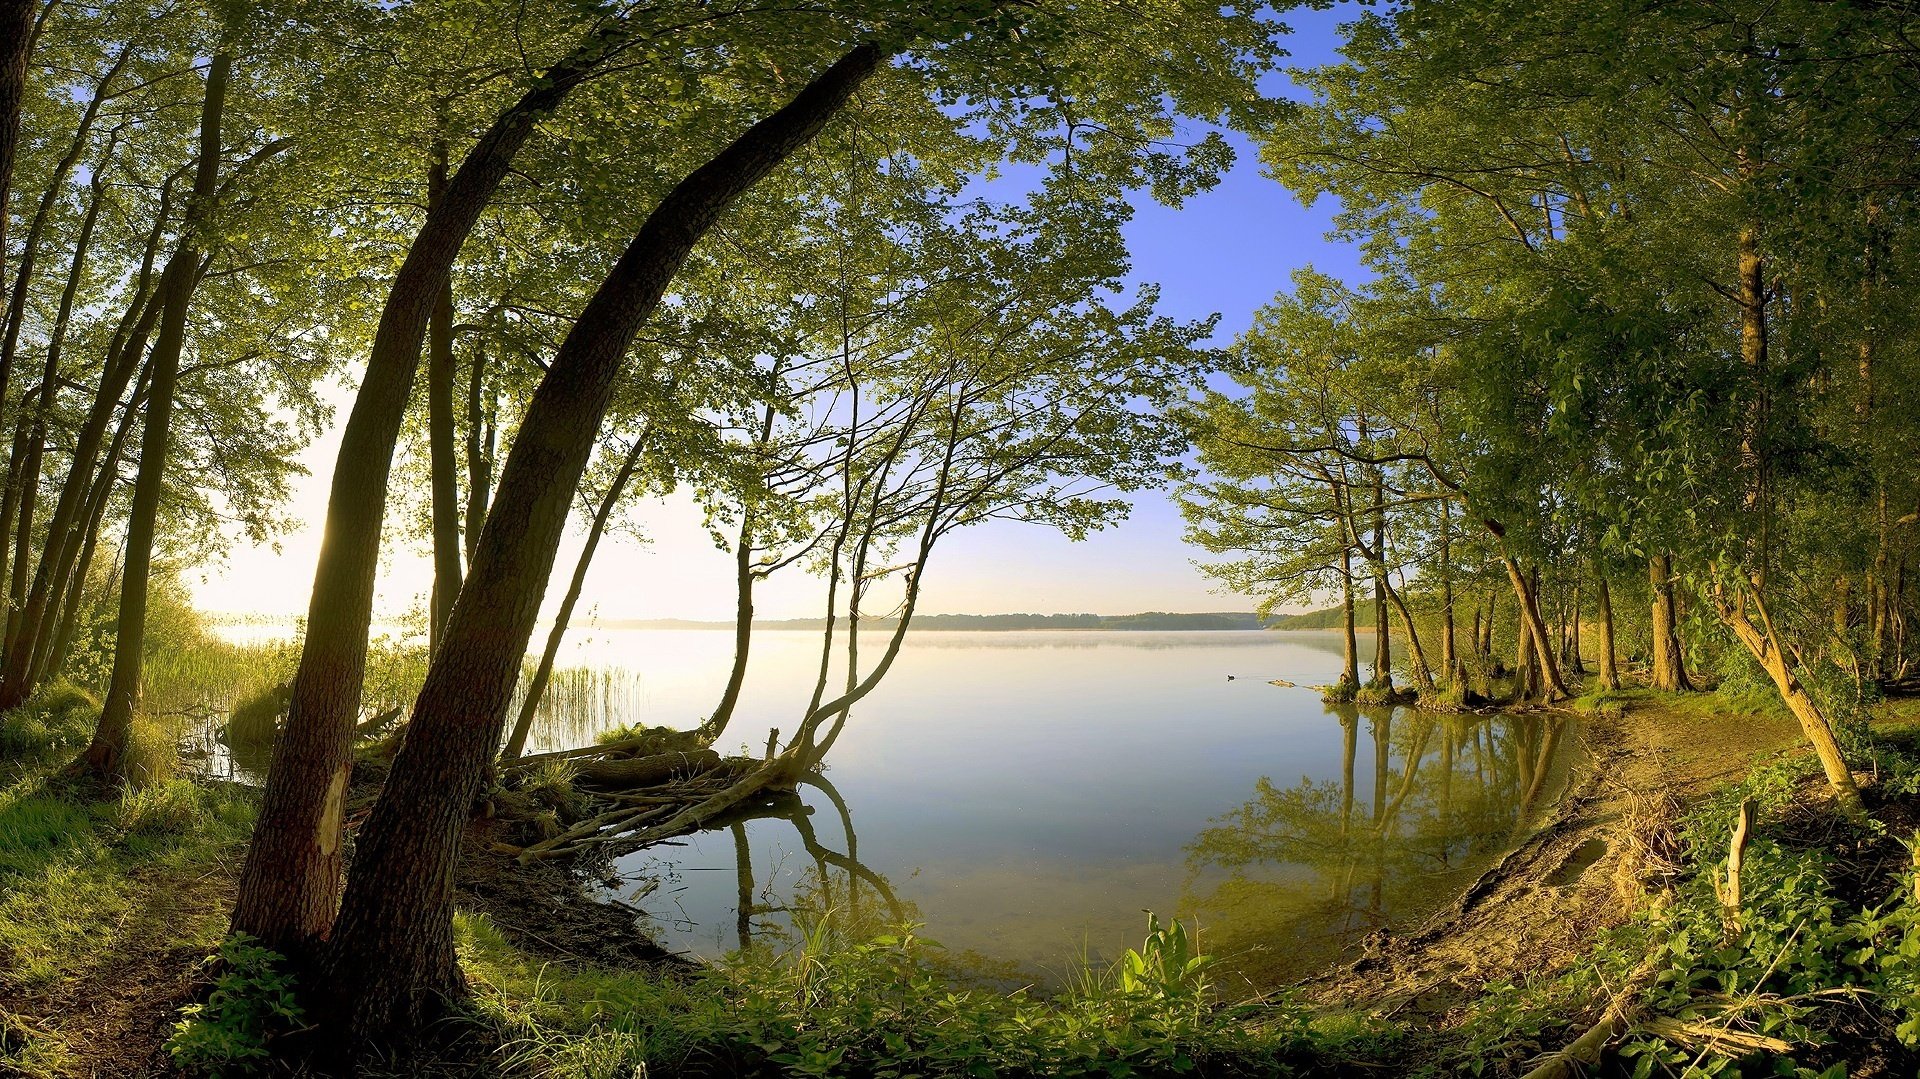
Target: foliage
(252,999)
(58,718)
(254,720)
(877,1008)
(1822,930)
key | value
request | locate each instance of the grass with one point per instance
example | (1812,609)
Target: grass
(69,864)
(875,1008)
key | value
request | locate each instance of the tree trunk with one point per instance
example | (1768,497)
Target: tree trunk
(441,458)
(1422,673)
(1575,661)
(1609,665)
(537,686)
(1526,676)
(292,874)
(391,962)
(743,582)
(16,305)
(1551,687)
(99,486)
(16,43)
(34,429)
(1449,653)
(106,756)
(480,436)
(1350,652)
(1493,613)
(744,579)
(26,651)
(1669,670)
(1763,643)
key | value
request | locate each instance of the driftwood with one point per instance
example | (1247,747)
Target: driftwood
(645,771)
(625,747)
(379,723)
(1586,1049)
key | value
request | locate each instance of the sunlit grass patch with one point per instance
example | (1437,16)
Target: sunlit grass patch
(70,866)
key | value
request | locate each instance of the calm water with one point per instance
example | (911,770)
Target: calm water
(1027,795)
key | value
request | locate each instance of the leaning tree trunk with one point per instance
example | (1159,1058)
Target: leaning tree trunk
(106,756)
(1422,673)
(288,888)
(58,644)
(743,583)
(537,686)
(33,446)
(26,650)
(1551,687)
(1762,641)
(391,961)
(16,42)
(441,457)
(744,579)
(16,304)
(1609,666)
(1669,670)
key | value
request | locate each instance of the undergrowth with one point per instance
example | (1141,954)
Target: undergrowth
(877,1008)
(74,868)
(1819,967)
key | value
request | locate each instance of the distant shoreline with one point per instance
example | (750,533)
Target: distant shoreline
(1149,621)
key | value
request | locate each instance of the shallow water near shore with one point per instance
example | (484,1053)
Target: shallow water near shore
(1028,795)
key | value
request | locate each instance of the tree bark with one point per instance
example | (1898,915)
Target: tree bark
(480,436)
(106,756)
(537,686)
(1551,687)
(391,962)
(1350,652)
(1669,671)
(292,874)
(1609,665)
(441,458)
(1763,643)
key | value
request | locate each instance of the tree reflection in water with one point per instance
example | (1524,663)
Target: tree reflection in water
(1294,877)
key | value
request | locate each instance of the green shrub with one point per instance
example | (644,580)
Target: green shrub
(251,1002)
(254,720)
(59,718)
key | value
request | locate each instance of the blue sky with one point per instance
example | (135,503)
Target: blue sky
(1226,251)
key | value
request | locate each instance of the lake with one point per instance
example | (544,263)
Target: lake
(1028,795)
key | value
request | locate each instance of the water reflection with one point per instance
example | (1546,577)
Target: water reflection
(1282,884)
(836,895)
(1297,875)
